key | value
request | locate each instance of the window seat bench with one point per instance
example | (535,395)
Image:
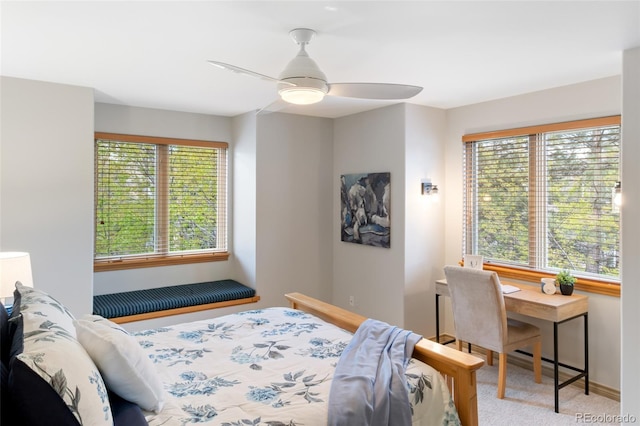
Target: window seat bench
(159,302)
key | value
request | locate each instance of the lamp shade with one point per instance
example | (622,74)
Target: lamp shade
(14,266)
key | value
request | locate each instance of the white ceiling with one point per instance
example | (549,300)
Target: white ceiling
(154,54)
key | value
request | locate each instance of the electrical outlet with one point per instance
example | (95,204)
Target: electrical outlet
(352,301)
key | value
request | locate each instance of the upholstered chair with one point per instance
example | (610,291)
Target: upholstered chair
(480,318)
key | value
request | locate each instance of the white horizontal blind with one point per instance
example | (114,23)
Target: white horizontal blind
(497,184)
(583,227)
(125,198)
(159,199)
(195,201)
(544,199)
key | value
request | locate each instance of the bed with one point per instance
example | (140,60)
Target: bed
(270,366)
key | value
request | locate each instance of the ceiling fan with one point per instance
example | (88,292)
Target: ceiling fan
(303,83)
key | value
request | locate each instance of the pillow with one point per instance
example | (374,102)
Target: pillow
(34,401)
(126,369)
(125,413)
(6,408)
(5,336)
(28,299)
(53,380)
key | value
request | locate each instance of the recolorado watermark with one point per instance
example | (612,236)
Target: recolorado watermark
(605,418)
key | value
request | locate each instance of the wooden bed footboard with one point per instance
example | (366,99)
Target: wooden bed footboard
(458,368)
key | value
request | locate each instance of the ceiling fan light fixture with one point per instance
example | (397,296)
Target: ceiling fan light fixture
(301,95)
(302,90)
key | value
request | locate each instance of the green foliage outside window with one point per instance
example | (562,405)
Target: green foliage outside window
(154,199)
(545,201)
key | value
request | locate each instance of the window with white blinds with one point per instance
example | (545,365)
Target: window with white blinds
(542,197)
(159,198)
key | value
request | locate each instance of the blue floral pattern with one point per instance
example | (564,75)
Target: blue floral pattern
(265,367)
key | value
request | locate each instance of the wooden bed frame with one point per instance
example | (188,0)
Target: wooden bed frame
(458,368)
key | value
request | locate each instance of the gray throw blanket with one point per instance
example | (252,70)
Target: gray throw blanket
(369,385)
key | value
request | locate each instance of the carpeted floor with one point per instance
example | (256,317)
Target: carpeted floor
(529,403)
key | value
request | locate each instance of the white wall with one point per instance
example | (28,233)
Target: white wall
(153,122)
(46,185)
(591,99)
(294,205)
(630,232)
(424,215)
(242,168)
(371,141)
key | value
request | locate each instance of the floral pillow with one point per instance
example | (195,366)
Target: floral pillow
(52,378)
(29,299)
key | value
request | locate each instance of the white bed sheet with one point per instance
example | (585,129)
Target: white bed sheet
(266,367)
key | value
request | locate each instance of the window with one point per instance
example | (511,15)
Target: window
(158,201)
(541,198)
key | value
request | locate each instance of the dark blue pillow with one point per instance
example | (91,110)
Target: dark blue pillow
(6,411)
(5,336)
(34,401)
(125,413)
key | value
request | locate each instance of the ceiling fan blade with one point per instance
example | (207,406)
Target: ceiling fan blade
(274,106)
(246,72)
(373,90)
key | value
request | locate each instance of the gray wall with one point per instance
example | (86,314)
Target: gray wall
(630,231)
(46,183)
(293,198)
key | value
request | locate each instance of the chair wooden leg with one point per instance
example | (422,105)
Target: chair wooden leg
(489,357)
(537,361)
(459,344)
(502,374)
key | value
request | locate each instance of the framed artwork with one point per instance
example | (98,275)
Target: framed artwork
(364,214)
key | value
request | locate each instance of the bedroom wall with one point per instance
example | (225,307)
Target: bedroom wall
(424,215)
(630,370)
(243,197)
(591,99)
(294,205)
(46,182)
(371,141)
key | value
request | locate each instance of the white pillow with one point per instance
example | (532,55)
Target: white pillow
(125,368)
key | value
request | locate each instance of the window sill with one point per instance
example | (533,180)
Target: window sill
(583,284)
(153,261)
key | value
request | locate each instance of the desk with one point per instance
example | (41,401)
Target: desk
(530,301)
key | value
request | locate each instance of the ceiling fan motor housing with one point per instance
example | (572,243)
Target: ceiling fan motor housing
(302,76)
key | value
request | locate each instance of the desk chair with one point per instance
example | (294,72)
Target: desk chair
(480,318)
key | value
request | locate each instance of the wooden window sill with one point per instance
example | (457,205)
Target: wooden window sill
(583,284)
(153,261)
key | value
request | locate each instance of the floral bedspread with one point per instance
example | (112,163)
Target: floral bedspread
(266,367)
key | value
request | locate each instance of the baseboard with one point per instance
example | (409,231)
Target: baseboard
(526,363)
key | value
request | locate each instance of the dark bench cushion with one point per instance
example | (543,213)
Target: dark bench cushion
(158,299)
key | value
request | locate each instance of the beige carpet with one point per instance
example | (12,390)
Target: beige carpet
(529,403)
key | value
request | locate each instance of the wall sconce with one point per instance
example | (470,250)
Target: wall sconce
(428,188)
(616,197)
